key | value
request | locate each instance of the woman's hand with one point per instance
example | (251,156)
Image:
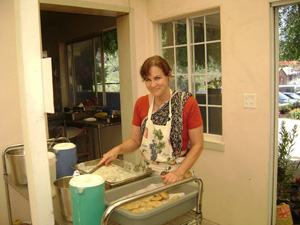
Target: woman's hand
(130,145)
(109,157)
(172,177)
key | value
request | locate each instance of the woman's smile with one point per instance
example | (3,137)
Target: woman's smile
(157,83)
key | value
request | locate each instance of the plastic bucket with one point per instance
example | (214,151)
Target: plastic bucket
(16,160)
(66,155)
(87,196)
(64,197)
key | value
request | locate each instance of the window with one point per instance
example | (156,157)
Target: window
(192,47)
(93,70)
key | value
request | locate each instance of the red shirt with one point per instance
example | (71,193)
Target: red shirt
(191,116)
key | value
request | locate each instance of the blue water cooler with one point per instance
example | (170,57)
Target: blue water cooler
(66,155)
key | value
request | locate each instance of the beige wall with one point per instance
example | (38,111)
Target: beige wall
(236,181)
(10,114)
(236,188)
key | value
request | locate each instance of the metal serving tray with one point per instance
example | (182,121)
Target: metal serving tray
(142,172)
(159,215)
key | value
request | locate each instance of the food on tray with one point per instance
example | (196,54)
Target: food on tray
(132,205)
(155,204)
(164,195)
(174,198)
(113,173)
(156,198)
(148,203)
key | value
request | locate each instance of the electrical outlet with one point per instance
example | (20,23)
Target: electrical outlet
(249,101)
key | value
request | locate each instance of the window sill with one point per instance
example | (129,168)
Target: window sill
(214,142)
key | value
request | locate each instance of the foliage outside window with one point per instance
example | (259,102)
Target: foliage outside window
(286,167)
(289,35)
(93,69)
(192,47)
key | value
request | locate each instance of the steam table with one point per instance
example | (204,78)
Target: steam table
(191,217)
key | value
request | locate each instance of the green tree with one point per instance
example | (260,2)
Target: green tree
(289,33)
(286,167)
(111,61)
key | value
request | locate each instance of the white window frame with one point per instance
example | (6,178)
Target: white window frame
(211,141)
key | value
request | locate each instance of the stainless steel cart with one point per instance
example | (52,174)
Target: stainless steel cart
(21,189)
(191,217)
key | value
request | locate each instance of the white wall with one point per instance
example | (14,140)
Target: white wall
(236,184)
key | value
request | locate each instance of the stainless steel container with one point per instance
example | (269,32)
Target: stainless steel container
(16,160)
(64,197)
(141,171)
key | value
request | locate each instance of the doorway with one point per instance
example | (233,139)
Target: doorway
(105,15)
(287,108)
(62,31)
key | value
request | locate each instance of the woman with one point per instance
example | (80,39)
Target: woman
(172,140)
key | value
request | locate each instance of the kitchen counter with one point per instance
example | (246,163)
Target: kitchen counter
(105,133)
(99,123)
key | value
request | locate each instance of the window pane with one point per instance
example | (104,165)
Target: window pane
(70,74)
(198,30)
(213,27)
(112,87)
(214,82)
(181,60)
(98,62)
(198,59)
(214,88)
(182,83)
(172,83)
(84,70)
(111,61)
(214,58)
(204,118)
(168,54)
(215,120)
(199,89)
(214,96)
(180,32)
(167,34)
(99,87)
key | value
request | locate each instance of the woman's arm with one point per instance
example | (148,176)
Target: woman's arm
(196,141)
(130,145)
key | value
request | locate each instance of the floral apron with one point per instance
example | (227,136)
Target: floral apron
(156,149)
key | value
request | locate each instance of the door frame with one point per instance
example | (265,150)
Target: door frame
(274,101)
(34,120)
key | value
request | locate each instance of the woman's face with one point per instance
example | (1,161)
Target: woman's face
(157,82)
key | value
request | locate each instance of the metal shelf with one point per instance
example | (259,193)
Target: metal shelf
(23,189)
(189,218)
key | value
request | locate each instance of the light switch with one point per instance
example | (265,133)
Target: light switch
(249,101)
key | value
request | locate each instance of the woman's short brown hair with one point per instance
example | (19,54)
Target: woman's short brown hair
(154,61)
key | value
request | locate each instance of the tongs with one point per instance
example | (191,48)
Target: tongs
(95,168)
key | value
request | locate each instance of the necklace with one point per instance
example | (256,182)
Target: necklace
(157,104)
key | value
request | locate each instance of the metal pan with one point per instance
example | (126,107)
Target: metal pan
(141,171)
